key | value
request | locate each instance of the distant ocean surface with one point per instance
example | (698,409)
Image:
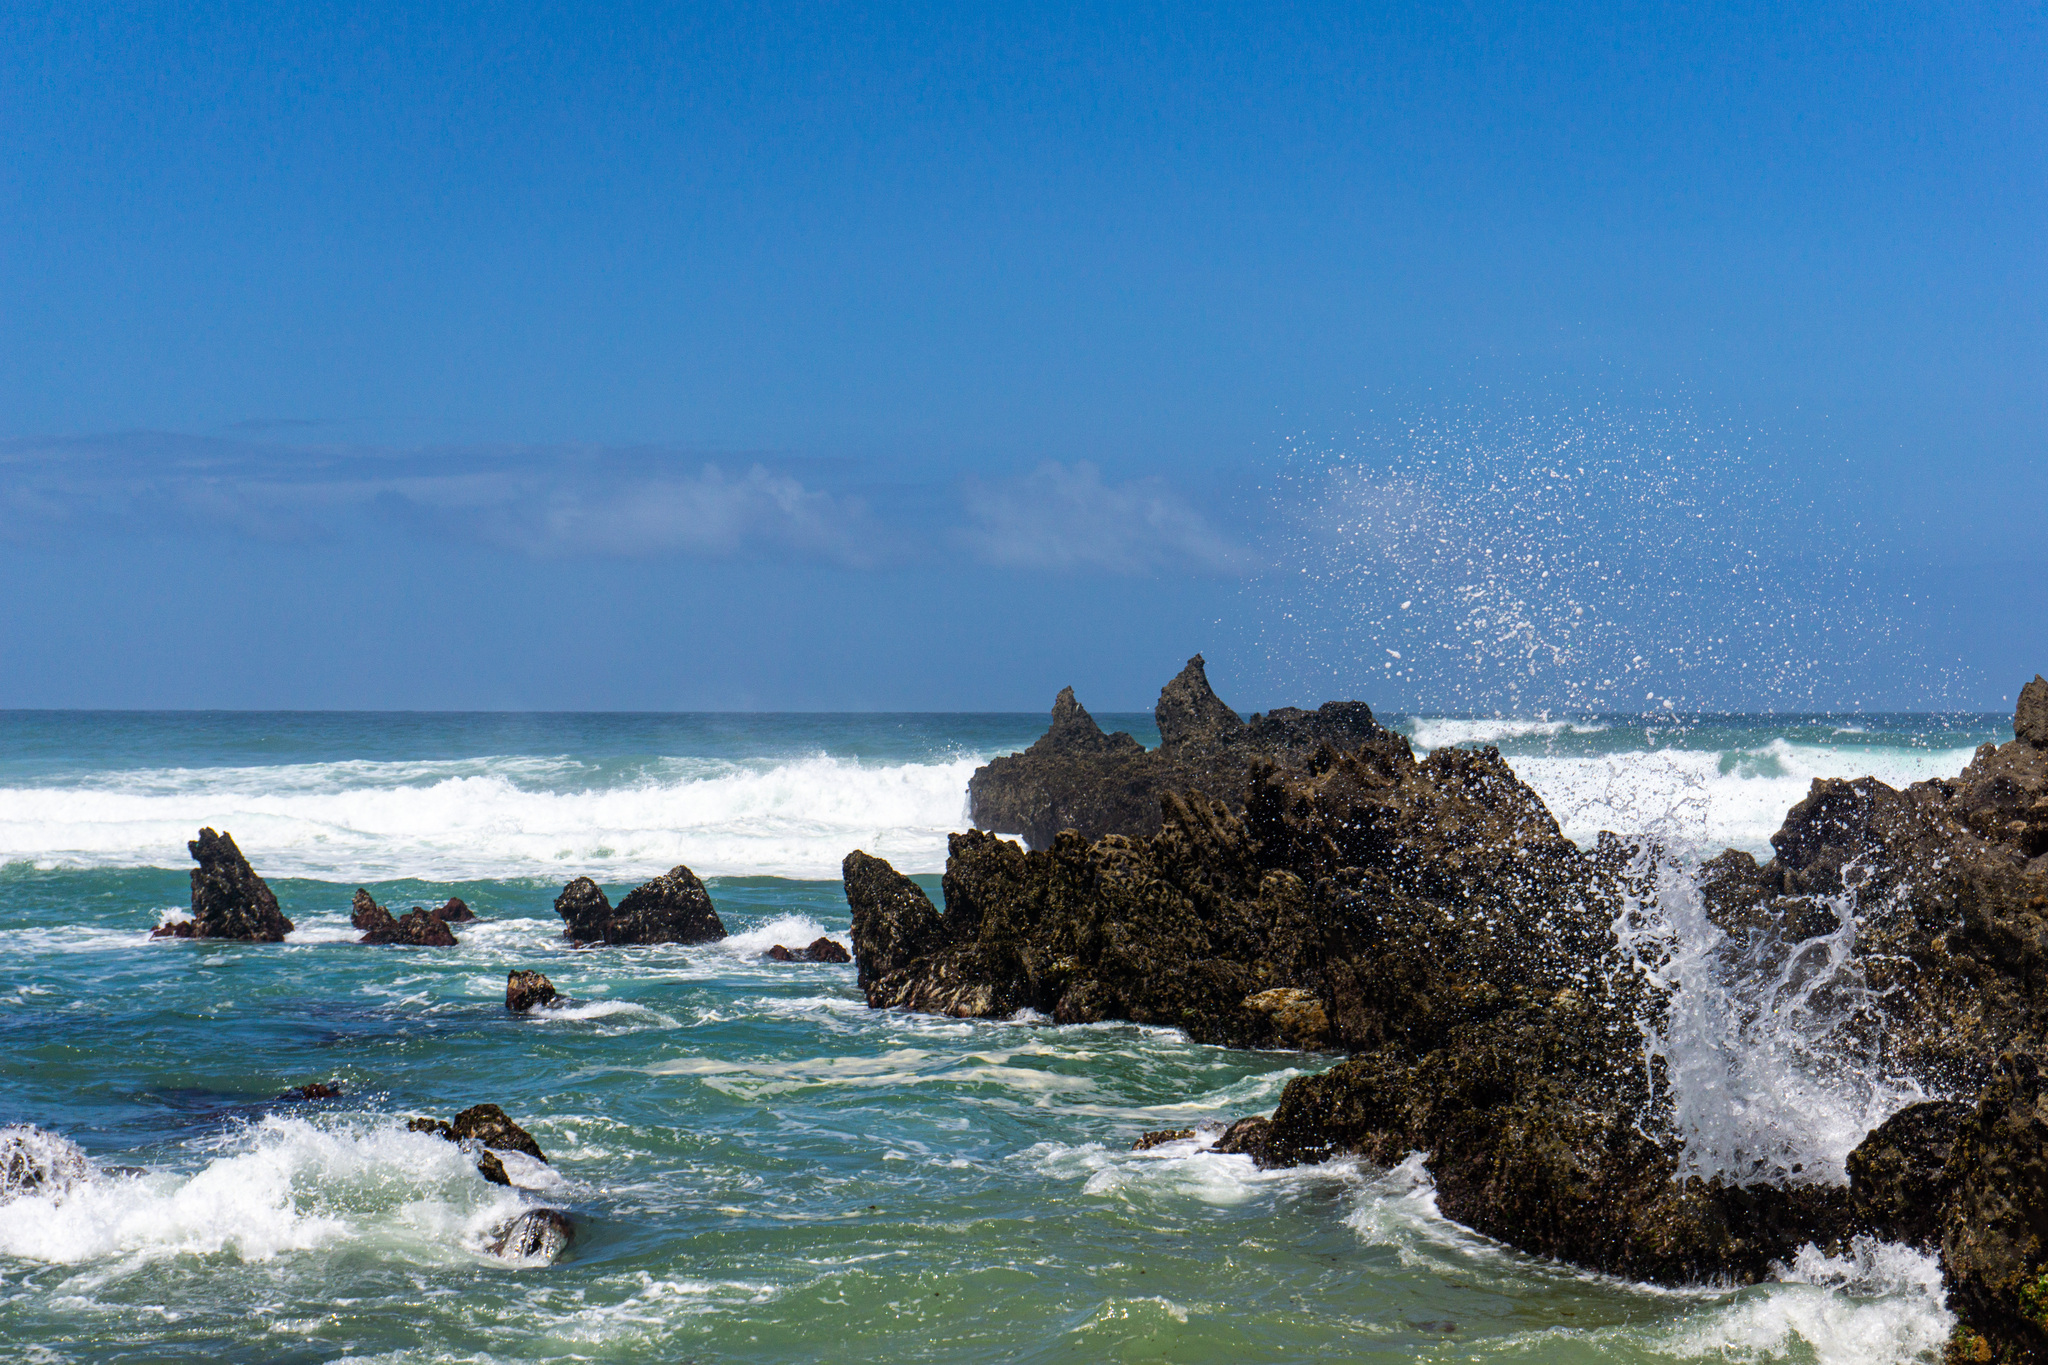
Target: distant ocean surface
(761,1168)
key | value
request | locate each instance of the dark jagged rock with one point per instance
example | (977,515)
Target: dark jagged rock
(1898,1186)
(490,1168)
(439,1127)
(228,899)
(1076,777)
(417,928)
(821,950)
(1147,1141)
(672,908)
(535,1235)
(491,1126)
(524,990)
(37,1162)
(1994,1246)
(176,928)
(314,1090)
(456,911)
(893,920)
(2030,717)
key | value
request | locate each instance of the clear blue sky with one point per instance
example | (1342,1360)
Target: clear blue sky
(917,356)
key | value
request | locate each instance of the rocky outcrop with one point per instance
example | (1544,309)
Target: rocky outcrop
(455,911)
(36,1162)
(418,928)
(525,990)
(228,899)
(820,950)
(1429,919)
(537,1235)
(1076,777)
(672,908)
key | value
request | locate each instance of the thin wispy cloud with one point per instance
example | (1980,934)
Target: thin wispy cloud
(548,502)
(1064,517)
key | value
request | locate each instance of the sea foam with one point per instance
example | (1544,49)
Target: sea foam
(507,817)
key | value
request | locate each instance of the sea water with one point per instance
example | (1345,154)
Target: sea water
(760,1167)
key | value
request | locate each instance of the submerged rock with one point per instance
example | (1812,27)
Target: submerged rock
(535,1235)
(1076,777)
(672,908)
(37,1162)
(228,899)
(524,990)
(314,1090)
(821,950)
(418,928)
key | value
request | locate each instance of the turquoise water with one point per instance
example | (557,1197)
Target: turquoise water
(760,1167)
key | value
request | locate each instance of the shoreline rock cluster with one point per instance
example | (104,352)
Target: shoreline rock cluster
(1429,919)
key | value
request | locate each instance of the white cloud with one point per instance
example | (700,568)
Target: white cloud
(712,514)
(1066,517)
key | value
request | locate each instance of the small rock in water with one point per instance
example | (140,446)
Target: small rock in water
(1147,1141)
(35,1161)
(314,1090)
(177,928)
(536,1235)
(439,1127)
(821,950)
(419,928)
(490,1168)
(228,899)
(490,1125)
(456,911)
(524,990)
(672,908)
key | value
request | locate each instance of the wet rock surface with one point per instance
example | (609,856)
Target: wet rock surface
(671,908)
(314,1090)
(228,899)
(524,990)
(491,1126)
(1076,777)
(1145,1142)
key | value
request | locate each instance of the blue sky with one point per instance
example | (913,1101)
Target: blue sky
(934,357)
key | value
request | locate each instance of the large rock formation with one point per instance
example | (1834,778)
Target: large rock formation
(1430,919)
(228,899)
(1076,777)
(672,908)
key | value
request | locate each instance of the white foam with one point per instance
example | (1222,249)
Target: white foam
(1879,1305)
(486,818)
(282,1185)
(1437,732)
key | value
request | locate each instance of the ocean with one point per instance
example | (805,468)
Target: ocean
(760,1168)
